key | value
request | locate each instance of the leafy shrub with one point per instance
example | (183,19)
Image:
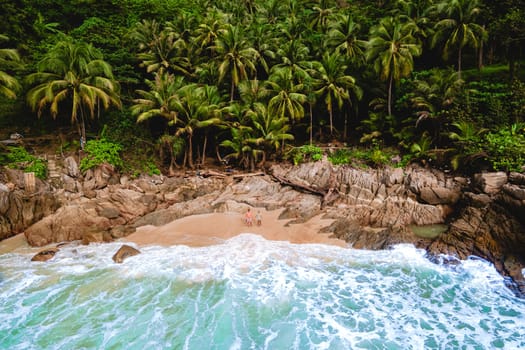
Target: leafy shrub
(505,148)
(378,157)
(19,158)
(361,157)
(101,151)
(306,153)
(340,157)
(151,168)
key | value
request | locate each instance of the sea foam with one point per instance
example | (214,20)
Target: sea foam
(252,293)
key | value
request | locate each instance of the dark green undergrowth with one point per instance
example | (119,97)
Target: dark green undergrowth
(20,158)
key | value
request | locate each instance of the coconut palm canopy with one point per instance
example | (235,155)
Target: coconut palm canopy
(323,70)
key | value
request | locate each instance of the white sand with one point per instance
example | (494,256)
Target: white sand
(208,229)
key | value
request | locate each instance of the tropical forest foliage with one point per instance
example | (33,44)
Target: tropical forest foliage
(244,82)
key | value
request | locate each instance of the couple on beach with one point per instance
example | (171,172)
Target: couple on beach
(248,218)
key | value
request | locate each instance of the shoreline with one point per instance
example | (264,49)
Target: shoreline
(210,229)
(16,243)
(214,228)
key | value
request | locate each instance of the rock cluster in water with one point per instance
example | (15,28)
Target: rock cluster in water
(372,208)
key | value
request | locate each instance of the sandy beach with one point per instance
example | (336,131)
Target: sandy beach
(215,228)
(208,229)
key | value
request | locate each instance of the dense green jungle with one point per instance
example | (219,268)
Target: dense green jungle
(153,86)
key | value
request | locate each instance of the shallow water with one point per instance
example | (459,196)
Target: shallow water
(250,293)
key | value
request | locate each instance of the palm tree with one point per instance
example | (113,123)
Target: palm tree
(311,98)
(294,55)
(392,48)
(159,101)
(468,141)
(272,10)
(293,28)
(8,84)
(320,15)
(145,34)
(458,28)
(194,112)
(434,92)
(237,58)
(167,48)
(252,91)
(343,34)
(264,41)
(416,11)
(208,31)
(214,102)
(270,132)
(169,52)
(288,99)
(334,84)
(240,148)
(73,72)
(239,125)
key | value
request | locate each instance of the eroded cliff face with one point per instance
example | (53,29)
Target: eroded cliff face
(490,223)
(372,209)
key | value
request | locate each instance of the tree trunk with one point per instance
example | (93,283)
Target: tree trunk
(82,130)
(459,63)
(232,91)
(311,123)
(263,160)
(173,164)
(480,54)
(345,129)
(390,84)
(252,162)
(204,149)
(190,152)
(330,111)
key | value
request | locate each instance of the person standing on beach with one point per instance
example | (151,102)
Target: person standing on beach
(248,218)
(258,218)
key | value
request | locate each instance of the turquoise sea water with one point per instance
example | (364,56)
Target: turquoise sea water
(249,293)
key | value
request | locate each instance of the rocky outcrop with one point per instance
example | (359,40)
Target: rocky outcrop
(390,197)
(371,209)
(490,224)
(20,208)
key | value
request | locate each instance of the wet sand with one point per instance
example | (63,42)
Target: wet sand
(215,228)
(18,243)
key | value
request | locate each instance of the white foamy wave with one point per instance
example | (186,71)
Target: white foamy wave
(252,293)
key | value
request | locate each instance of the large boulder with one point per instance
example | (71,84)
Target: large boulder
(69,223)
(45,254)
(124,252)
(71,167)
(100,177)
